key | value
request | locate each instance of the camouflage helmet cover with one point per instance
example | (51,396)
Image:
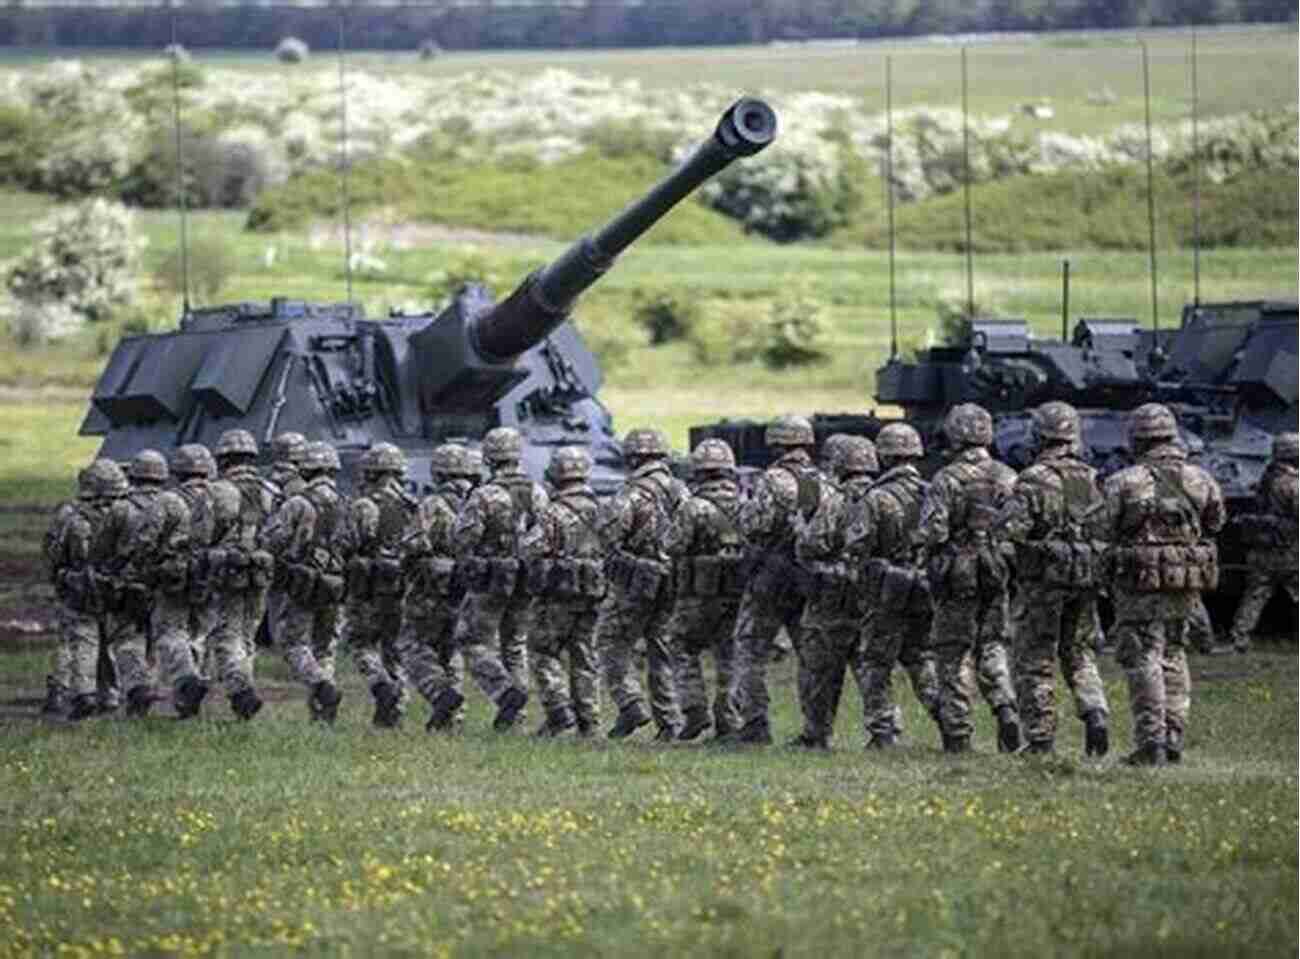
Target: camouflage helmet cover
(383,458)
(193,459)
(570,463)
(1286,446)
(503,444)
(968,424)
(235,443)
(103,478)
(645,442)
(1056,422)
(832,446)
(899,440)
(1152,421)
(789,431)
(148,466)
(713,455)
(856,456)
(320,456)
(288,448)
(442,461)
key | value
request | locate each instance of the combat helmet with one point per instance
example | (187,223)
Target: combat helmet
(644,442)
(320,457)
(1286,446)
(1151,422)
(503,445)
(713,456)
(899,441)
(193,459)
(831,448)
(443,460)
(148,466)
(288,448)
(856,457)
(103,479)
(570,464)
(968,424)
(1056,422)
(789,431)
(235,443)
(383,458)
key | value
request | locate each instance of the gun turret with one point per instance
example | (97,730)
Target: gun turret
(467,354)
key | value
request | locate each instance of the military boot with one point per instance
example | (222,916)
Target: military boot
(56,698)
(324,702)
(1008,730)
(139,700)
(696,722)
(1096,737)
(756,732)
(511,704)
(956,744)
(1152,754)
(1174,745)
(246,704)
(629,720)
(444,707)
(885,740)
(83,706)
(558,722)
(387,698)
(190,693)
(666,734)
(807,740)
(587,729)
(1040,747)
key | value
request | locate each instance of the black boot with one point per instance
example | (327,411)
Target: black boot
(387,696)
(1152,754)
(139,700)
(1096,738)
(806,740)
(56,698)
(756,732)
(324,702)
(1040,747)
(444,707)
(246,704)
(190,693)
(883,740)
(83,706)
(587,729)
(1174,745)
(956,744)
(558,722)
(1008,730)
(629,721)
(511,704)
(697,720)
(666,734)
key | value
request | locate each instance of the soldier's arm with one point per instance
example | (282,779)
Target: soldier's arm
(616,520)
(932,531)
(758,514)
(680,534)
(1112,511)
(819,538)
(1016,518)
(860,535)
(536,542)
(279,534)
(1215,513)
(470,526)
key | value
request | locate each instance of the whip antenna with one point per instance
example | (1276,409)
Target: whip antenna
(180,167)
(889,190)
(1196,184)
(345,161)
(1151,196)
(965,153)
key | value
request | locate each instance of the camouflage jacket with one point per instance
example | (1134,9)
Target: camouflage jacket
(242,502)
(497,514)
(635,520)
(165,532)
(825,536)
(964,498)
(1133,496)
(119,547)
(431,531)
(376,522)
(1057,498)
(566,527)
(71,536)
(708,523)
(888,516)
(785,496)
(305,525)
(287,481)
(1278,494)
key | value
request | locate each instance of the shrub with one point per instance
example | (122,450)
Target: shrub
(795,331)
(292,50)
(177,52)
(429,50)
(32,322)
(23,142)
(469,264)
(665,314)
(232,168)
(729,331)
(211,265)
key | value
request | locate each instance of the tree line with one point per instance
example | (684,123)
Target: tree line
(599,23)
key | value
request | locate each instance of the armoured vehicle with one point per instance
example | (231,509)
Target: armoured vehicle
(328,372)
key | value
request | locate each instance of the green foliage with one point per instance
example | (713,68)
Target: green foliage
(795,330)
(786,331)
(468,264)
(211,265)
(23,141)
(666,313)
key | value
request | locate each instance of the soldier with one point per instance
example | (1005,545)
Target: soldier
(370,544)
(1161,515)
(785,496)
(287,450)
(239,569)
(1055,519)
(69,548)
(302,535)
(1270,533)
(897,601)
(178,528)
(639,602)
(426,644)
(707,546)
(494,616)
(831,626)
(564,557)
(969,577)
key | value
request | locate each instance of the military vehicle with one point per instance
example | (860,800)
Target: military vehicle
(327,371)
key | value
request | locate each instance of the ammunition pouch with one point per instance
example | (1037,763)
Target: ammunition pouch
(131,600)
(892,590)
(77,589)
(720,575)
(238,570)
(172,575)
(437,575)
(357,576)
(493,575)
(386,578)
(638,577)
(567,578)
(1265,531)
(969,571)
(261,569)
(834,587)
(312,588)
(1062,564)
(1167,568)
(780,577)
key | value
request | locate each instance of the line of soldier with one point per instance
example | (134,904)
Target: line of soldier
(863,563)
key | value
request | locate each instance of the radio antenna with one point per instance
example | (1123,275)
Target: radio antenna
(889,191)
(345,161)
(1196,183)
(1151,196)
(966,191)
(180,166)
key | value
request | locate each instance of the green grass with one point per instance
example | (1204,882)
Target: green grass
(167,839)
(40,451)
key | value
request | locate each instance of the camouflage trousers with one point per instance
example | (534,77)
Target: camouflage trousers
(426,647)
(58,682)
(371,630)
(827,648)
(120,640)
(1052,624)
(699,624)
(79,638)
(1261,583)
(758,621)
(886,641)
(174,640)
(1151,634)
(235,620)
(968,638)
(622,622)
(485,620)
(309,638)
(567,627)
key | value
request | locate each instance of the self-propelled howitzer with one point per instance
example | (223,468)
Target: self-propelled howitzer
(326,371)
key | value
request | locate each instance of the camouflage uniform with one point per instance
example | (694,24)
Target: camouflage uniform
(969,574)
(301,535)
(1271,535)
(496,613)
(832,618)
(564,558)
(1161,516)
(370,544)
(239,568)
(1054,518)
(640,596)
(899,611)
(785,495)
(706,544)
(426,644)
(287,450)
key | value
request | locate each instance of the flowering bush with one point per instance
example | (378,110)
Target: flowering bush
(292,50)
(666,313)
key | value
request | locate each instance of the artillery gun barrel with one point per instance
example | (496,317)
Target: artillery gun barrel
(542,301)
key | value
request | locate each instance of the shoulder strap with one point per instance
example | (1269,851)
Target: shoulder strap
(809,485)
